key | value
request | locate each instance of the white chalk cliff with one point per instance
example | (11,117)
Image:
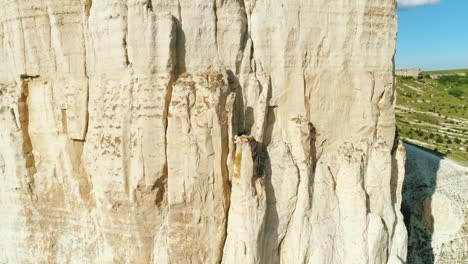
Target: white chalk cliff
(435,205)
(199,131)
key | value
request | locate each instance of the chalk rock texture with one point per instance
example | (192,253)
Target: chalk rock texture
(199,131)
(435,208)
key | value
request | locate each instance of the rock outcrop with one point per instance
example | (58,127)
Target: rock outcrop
(413,73)
(224,131)
(436,208)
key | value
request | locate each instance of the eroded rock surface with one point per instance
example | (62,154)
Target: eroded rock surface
(223,131)
(436,208)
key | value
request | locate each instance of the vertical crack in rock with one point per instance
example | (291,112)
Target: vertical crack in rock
(124,44)
(149,5)
(125,39)
(87,7)
(244,37)
(230,158)
(179,11)
(377,100)
(180,44)
(64,121)
(87,10)
(215,14)
(23,111)
(49,23)
(168,99)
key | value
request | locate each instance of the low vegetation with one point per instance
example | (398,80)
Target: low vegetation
(433,113)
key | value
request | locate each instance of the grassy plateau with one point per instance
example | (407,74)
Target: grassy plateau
(433,114)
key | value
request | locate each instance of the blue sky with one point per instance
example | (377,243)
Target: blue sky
(432,34)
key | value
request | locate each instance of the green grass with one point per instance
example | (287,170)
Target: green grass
(434,113)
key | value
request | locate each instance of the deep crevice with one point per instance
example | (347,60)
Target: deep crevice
(215,11)
(125,41)
(30,163)
(87,7)
(149,5)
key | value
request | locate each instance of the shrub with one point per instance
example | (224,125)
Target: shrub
(453,80)
(456,93)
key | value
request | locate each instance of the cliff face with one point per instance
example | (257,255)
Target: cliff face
(435,204)
(195,131)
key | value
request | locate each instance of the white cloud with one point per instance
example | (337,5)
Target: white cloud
(413,3)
